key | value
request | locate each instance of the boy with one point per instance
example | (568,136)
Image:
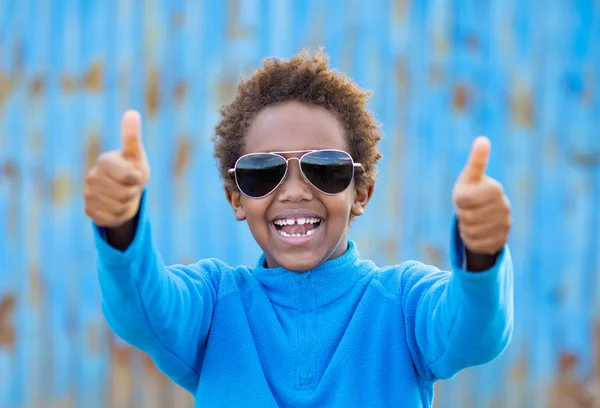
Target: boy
(311,325)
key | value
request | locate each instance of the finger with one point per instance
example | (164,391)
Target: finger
(118,191)
(498,227)
(101,217)
(478,160)
(108,205)
(477,195)
(119,169)
(484,214)
(489,246)
(131,135)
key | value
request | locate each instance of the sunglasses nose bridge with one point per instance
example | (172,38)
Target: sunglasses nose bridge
(299,168)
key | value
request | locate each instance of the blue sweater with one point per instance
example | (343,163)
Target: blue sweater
(345,334)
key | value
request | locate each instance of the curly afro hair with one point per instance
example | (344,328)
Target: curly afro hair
(305,79)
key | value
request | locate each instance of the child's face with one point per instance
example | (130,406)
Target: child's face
(293,126)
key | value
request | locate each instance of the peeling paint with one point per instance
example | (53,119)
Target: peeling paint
(68,84)
(432,254)
(37,86)
(234,28)
(226,87)
(567,391)
(586,158)
(13,176)
(182,158)
(93,79)
(6,87)
(178,20)
(180,92)
(461,97)
(472,42)
(62,189)
(35,289)
(522,108)
(152,93)
(402,77)
(7,320)
(93,150)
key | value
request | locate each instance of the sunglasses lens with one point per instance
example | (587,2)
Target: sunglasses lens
(330,171)
(258,174)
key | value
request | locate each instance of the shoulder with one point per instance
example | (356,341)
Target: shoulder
(223,278)
(396,280)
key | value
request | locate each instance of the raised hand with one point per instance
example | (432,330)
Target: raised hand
(482,208)
(114,186)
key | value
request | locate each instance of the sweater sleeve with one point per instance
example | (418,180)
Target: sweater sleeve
(457,319)
(162,310)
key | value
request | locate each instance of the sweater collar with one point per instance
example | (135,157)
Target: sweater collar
(315,288)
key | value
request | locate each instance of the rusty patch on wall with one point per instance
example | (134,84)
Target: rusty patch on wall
(68,84)
(522,108)
(93,150)
(400,10)
(391,249)
(35,287)
(178,19)
(225,89)
(402,77)
(37,86)
(472,42)
(586,158)
(61,189)
(180,92)
(234,29)
(567,391)
(6,87)
(10,171)
(7,325)
(182,158)
(153,92)
(93,78)
(461,97)
(432,254)
(436,74)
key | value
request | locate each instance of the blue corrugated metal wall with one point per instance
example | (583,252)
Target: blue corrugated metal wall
(525,73)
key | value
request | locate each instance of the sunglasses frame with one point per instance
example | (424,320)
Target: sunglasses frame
(233,175)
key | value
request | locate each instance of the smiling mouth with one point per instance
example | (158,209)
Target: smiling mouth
(297,227)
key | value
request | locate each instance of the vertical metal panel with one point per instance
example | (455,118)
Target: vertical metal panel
(524,73)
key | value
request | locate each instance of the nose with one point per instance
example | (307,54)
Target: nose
(294,188)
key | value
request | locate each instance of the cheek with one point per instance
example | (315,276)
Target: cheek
(255,209)
(338,207)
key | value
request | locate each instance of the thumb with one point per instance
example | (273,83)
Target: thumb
(478,160)
(131,135)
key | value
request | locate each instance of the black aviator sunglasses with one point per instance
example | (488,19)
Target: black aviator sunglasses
(328,170)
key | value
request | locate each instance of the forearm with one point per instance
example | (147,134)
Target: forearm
(163,310)
(476,318)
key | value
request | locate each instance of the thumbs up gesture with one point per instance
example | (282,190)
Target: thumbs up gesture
(114,186)
(482,208)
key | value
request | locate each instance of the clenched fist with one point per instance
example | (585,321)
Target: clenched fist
(482,208)
(114,186)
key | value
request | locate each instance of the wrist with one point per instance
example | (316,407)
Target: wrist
(479,262)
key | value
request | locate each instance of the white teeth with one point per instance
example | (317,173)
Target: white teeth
(299,221)
(285,234)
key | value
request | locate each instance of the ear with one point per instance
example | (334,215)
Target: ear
(234,197)
(361,199)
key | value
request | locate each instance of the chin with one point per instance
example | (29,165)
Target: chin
(298,265)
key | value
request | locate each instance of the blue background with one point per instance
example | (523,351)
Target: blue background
(524,73)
